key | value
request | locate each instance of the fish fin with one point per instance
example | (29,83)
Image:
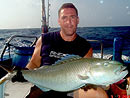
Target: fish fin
(42,67)
(43,88)
(67,58)
(83,77)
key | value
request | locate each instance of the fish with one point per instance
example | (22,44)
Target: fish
(75,72)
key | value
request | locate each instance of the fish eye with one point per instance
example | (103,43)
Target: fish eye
(106,64)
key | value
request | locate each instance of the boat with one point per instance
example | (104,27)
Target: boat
(13,55)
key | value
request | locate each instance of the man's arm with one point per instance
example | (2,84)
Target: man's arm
(35,61)
(89,54)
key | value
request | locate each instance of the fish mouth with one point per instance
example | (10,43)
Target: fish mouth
(120,70)
(123,68)
(118,79)
(123,72)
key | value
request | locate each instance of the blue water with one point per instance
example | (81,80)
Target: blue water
(104,34)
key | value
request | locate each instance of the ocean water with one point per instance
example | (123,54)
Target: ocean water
(104,34)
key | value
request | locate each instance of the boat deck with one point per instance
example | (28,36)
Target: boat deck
(17,89)
(20,90)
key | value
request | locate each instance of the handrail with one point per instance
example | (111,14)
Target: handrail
(100,44)
(12,37)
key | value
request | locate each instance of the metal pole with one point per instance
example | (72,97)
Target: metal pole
(117,48)
(44,25)
(48,13)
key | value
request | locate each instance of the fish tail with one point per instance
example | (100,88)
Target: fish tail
(2,80)
(9,75)
(8,70)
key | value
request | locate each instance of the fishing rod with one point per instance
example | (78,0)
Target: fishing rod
(45,20)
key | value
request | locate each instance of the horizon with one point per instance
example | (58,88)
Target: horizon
(59,27)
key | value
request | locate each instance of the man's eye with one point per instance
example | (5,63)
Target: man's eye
(64,17)
(73,17)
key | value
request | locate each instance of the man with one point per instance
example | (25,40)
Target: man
(50,47)
(68,20)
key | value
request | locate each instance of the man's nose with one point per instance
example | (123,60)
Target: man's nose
(69,21)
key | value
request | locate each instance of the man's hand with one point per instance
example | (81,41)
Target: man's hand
(18,77)
(90,86)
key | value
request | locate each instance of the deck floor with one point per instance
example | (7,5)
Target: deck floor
(20,90)
(17,89)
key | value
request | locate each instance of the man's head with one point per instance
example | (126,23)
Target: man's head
(67,5)
(68,20)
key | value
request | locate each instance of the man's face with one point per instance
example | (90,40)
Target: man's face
(68,20)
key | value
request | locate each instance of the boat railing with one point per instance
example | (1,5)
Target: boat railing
(8,43)
(101,46)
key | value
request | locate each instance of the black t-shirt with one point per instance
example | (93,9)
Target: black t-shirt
(54,47)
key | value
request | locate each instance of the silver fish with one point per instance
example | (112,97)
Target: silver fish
(73,73)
